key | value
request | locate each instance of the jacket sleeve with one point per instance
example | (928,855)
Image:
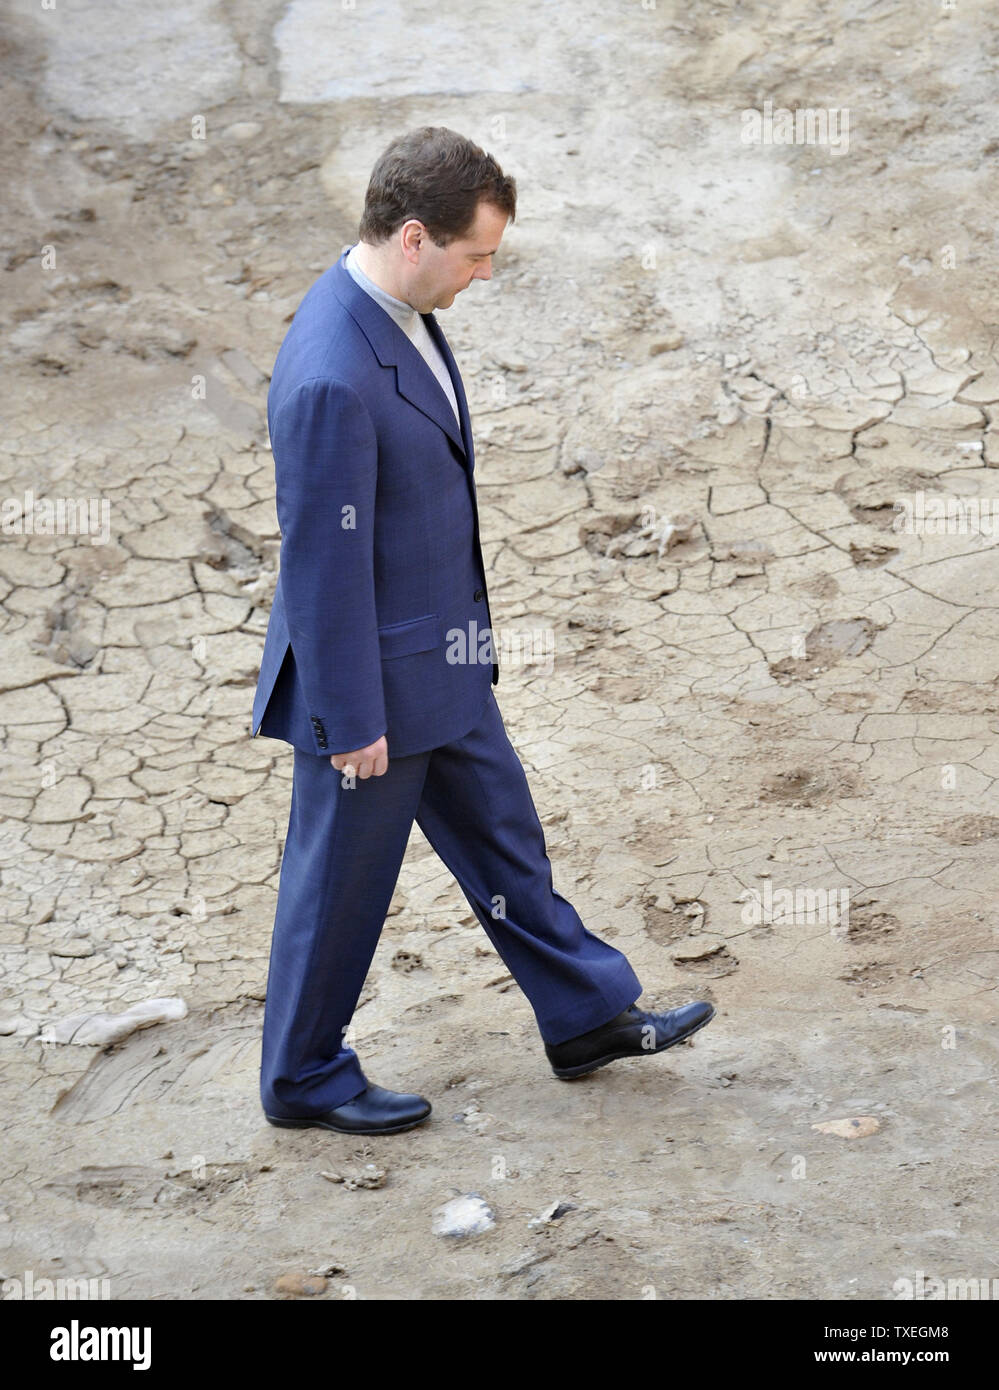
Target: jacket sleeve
(326,471)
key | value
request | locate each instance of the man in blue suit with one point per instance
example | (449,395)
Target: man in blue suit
(378,665)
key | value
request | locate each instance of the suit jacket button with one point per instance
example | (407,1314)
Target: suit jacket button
(478,596)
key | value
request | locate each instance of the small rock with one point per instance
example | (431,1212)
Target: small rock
(699,949)
(478,1121)
(241,130)
(857,1127)
(551,1215)
(463,1216)
(300,1285)
(668,344)
(369,1176)
(474,1118)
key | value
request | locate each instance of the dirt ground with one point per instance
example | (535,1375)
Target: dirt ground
(703,375)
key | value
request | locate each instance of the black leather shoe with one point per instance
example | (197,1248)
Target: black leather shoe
(634,1033)
(374,1111)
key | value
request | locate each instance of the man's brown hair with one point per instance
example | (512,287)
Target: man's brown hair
(437,176)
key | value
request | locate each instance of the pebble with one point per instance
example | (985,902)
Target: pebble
(300,1285)
(857,1127)
(552,1215)
(463,1216)
(369,1176)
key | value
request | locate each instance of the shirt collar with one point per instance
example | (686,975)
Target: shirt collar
(398,309)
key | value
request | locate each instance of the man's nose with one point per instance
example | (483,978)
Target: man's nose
(484,271)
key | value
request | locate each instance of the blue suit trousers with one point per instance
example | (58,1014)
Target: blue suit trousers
(341,862)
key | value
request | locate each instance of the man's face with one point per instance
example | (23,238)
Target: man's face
(444,271)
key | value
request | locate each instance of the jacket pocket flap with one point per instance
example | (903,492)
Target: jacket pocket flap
(414,635)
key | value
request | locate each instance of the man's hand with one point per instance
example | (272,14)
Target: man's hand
(364,762)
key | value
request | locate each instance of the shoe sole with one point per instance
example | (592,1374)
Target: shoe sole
(570,1073)
(340,1129)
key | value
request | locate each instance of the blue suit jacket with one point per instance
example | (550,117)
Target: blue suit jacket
(380,620)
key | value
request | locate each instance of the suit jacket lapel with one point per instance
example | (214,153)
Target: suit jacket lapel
(414,379)
(437,333)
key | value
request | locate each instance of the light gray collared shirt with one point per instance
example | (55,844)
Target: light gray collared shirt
(411,323)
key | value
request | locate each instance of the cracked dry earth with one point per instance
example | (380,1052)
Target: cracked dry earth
(701,377)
